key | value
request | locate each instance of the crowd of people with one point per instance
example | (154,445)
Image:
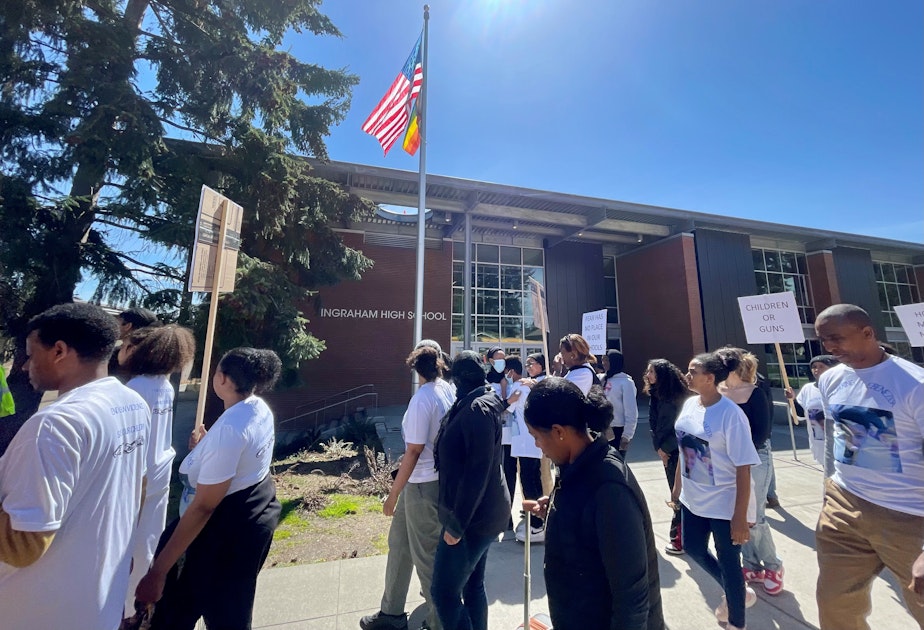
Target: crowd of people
(84,483)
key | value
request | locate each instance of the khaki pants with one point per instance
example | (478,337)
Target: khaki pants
(412,540)
(856,540)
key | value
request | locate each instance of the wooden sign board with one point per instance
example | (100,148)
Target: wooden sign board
(205,247)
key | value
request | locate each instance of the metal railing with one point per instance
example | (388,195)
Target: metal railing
(332,410)
(326,400)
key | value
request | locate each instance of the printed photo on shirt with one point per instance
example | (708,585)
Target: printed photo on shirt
(865,438)
(816,418)
(697,459)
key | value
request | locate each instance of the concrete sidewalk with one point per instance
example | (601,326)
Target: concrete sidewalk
(334,595)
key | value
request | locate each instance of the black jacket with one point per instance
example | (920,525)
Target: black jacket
(601,568)
(661,418)
(473,494)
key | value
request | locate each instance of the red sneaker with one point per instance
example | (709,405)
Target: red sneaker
(751,575)
(773,581)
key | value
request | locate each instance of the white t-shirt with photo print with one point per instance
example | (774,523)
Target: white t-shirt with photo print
(75,468)
(878,415)
(713,441)
(239,447)
(810,399)
(522,443)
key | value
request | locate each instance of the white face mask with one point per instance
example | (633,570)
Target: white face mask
(499,365)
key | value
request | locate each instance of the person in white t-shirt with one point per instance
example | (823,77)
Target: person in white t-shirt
(227,528)
(621,392)
(713,482)
(71,481)
(523,447)
(413,502)
(873,511)
(576,355)
(809,406)
(149,356)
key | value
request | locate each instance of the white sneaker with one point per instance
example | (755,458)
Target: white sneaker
(750,598)
(536,535)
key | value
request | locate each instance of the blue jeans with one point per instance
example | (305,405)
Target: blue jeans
(457,590)
(726,570)
(760,552)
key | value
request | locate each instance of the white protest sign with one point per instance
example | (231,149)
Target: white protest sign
(912,318)
(593,329)
(771,318)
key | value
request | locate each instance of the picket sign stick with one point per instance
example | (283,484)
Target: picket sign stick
(792,416)
(204,383)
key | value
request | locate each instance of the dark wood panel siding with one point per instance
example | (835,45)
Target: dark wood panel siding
(857,282)
(574,286)
(659,304)
(726,272)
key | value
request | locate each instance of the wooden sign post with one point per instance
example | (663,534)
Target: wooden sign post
(218,239)
(774,318)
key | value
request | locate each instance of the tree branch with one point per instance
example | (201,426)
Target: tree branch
(151,269)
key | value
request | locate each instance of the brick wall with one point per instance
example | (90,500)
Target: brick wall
(368,325)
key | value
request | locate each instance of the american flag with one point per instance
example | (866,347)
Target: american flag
(389,119)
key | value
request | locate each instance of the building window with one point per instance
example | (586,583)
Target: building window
(796,357)
(777,271)
(502,312)
(897,286)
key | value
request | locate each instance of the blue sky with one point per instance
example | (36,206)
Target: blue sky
(806,112)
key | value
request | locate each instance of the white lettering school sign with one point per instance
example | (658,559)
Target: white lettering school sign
(772,318)
(912,318)
(593,329)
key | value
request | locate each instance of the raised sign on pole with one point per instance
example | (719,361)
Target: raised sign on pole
(213,269)
(912,318)
(208,225)
(593,329)
(774,318)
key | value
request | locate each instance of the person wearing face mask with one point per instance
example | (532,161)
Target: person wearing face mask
(496,362)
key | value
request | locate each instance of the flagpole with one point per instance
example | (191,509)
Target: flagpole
(422,192)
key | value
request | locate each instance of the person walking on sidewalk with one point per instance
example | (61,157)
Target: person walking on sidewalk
(809,405)
(667,390)
(873,512)
(601,566)
(713,482)
(474,505)
(761,564)
(414,498)
(621,392)
(523,447)
(226,530)
(72,480)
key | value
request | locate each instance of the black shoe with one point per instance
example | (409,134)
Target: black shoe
(772,503)
(381,621)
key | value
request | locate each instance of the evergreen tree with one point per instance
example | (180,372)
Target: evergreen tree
(112,115)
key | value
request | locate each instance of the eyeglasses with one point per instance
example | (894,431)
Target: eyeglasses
(528,363)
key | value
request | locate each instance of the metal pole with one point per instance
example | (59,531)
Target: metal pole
(422,196)
(467,283)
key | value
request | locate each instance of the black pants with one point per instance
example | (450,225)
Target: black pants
(531,480)
(218,578)
(617,438)
(510,476)
(671,471)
